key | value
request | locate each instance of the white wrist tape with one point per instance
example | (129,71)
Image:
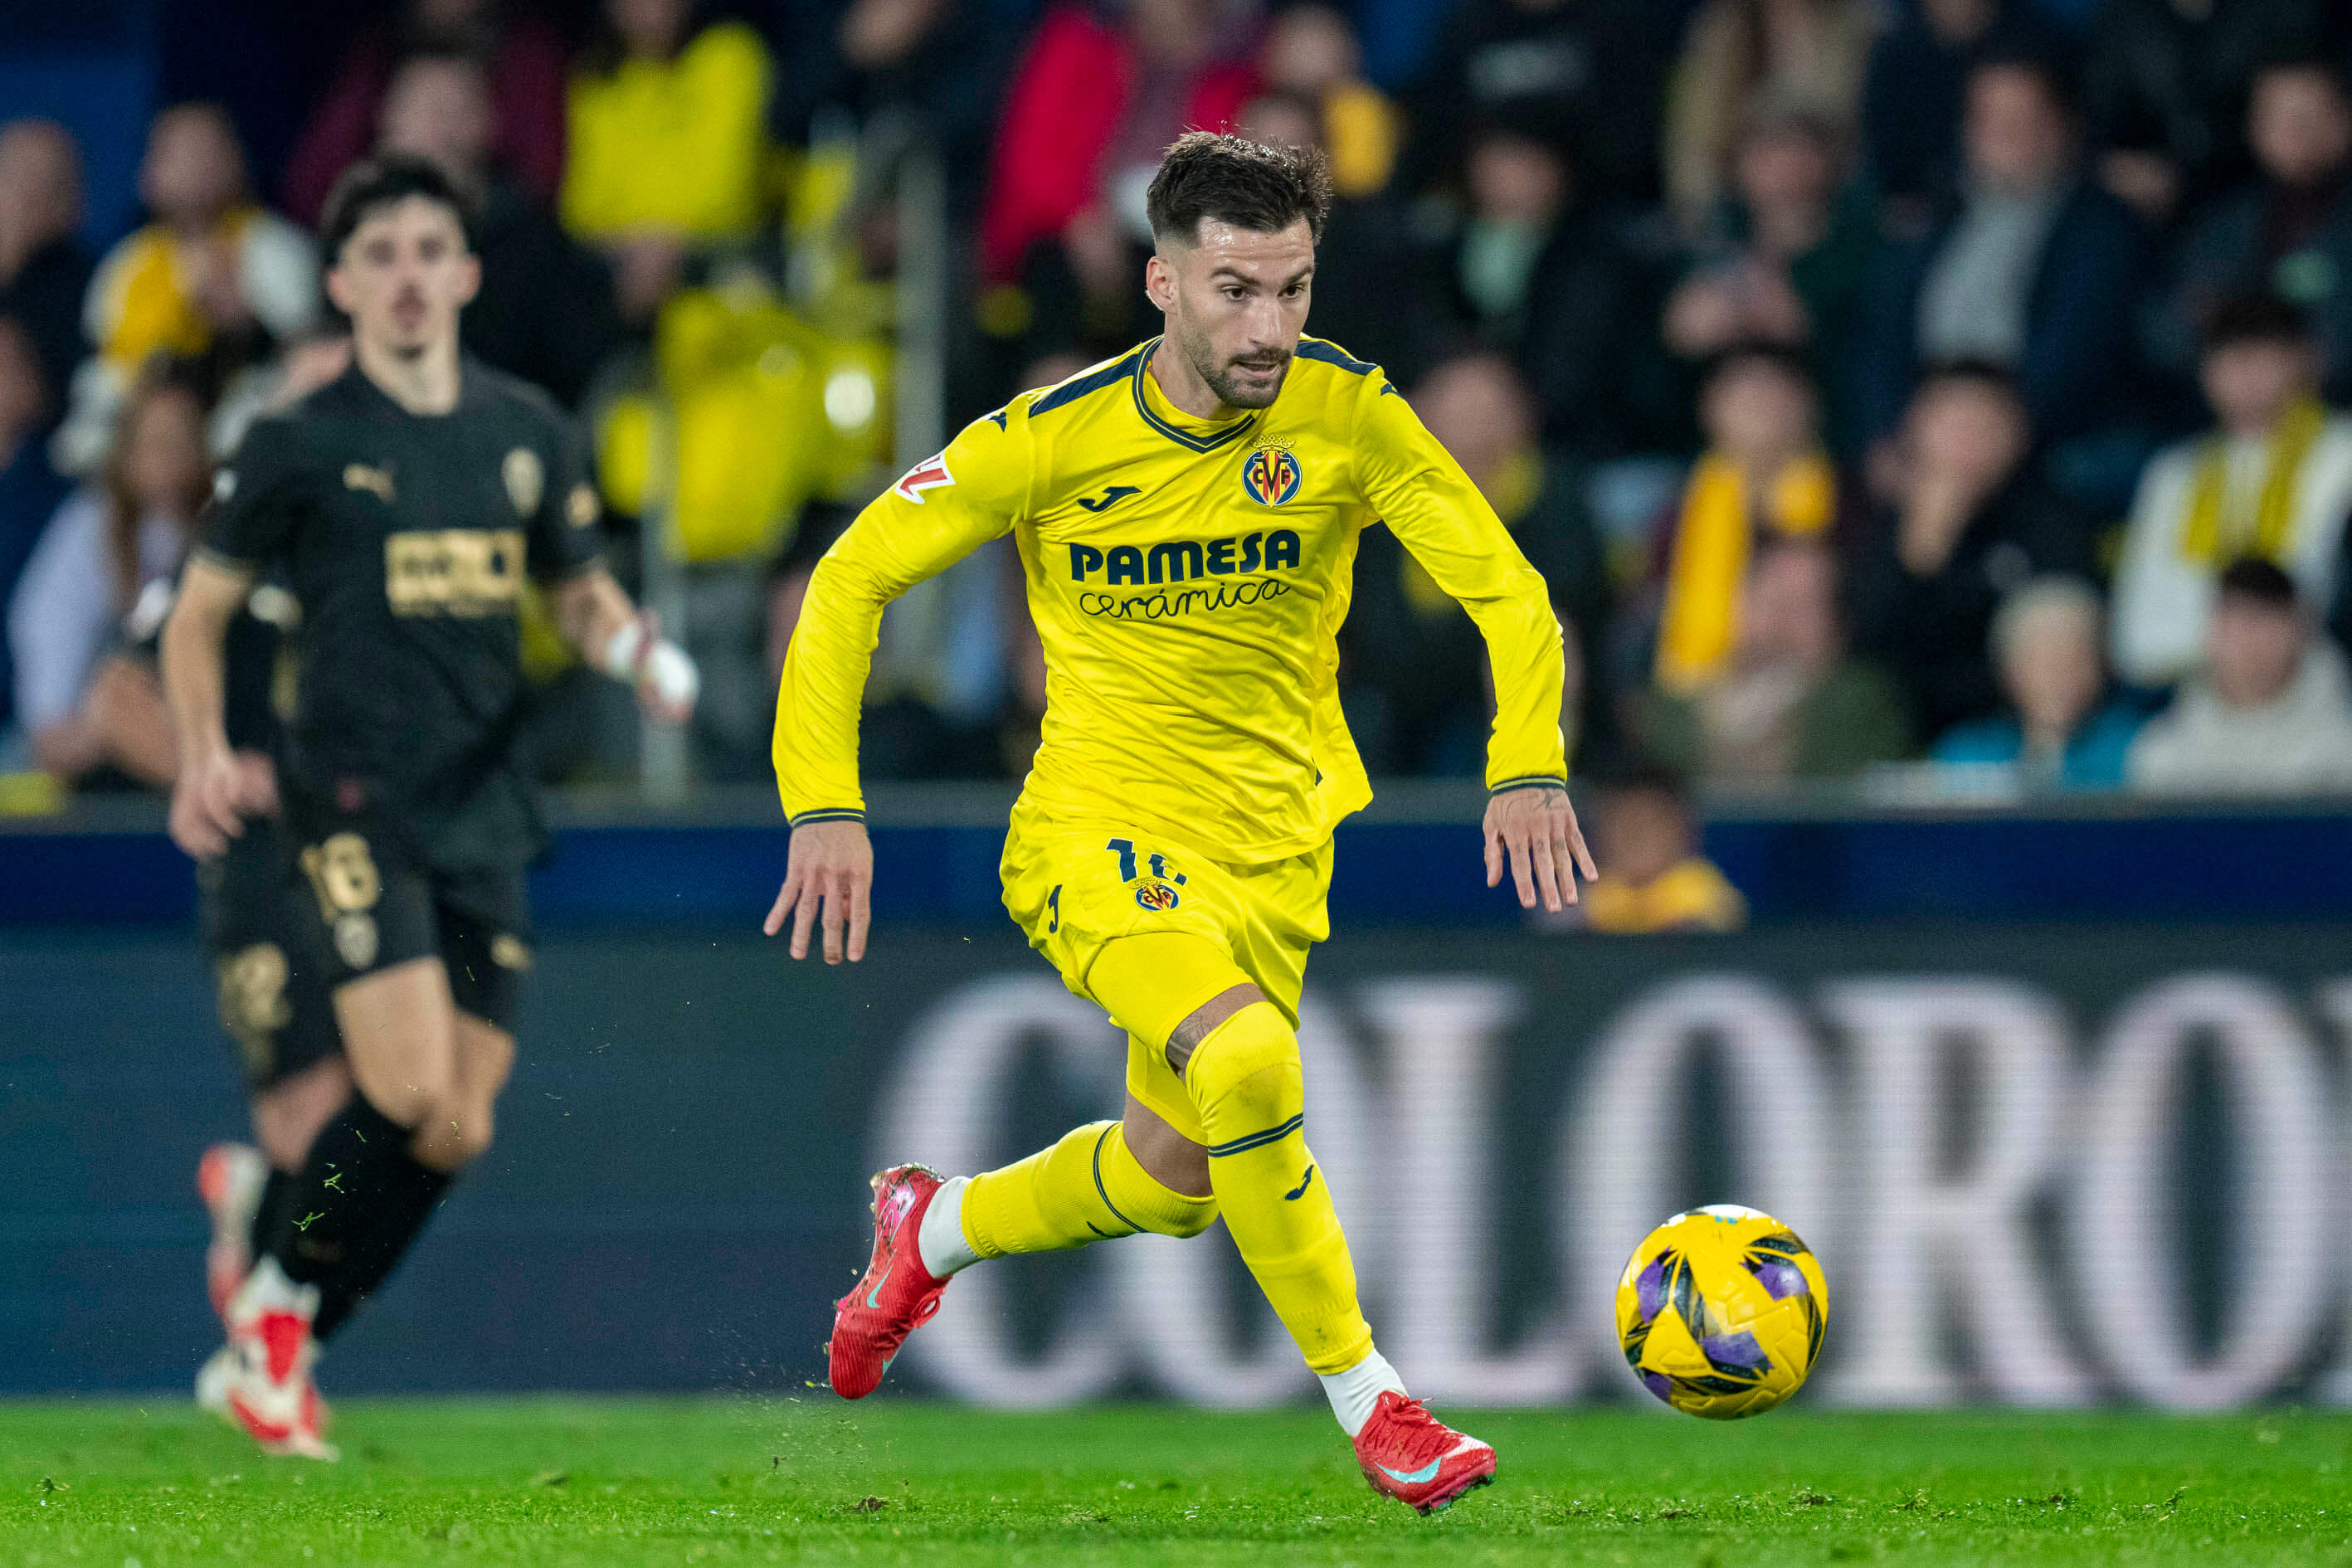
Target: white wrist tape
(665,665)
(621,653)
(671,670)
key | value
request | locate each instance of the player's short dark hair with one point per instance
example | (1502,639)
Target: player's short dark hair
(1235,181)
(2262,318)
(2263,582)
(379,182)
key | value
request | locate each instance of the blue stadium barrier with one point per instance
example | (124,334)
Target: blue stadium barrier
(677,1190)
(1416,863)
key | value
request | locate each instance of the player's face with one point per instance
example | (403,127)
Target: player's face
(403,276)
(1235,305)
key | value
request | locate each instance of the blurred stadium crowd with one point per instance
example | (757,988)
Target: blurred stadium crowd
(1939,393)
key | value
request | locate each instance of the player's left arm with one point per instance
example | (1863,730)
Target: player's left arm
(593,612)
(1422,493)
(604,627)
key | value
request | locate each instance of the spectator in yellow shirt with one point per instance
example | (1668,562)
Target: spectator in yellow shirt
(1763,478)
(212,279)
(1312,51)
(668,142)
(1652,878)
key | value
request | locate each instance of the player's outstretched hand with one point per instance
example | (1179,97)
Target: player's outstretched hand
(828,881)
(1536,831)
(205,805)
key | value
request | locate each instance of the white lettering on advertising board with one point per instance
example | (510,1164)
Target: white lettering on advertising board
(1992,1186)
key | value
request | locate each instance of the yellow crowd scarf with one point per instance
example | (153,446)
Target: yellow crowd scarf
(1712,543)
(1692,896)
(153,312)
(1512,491)
(1361,130)
(2206,538)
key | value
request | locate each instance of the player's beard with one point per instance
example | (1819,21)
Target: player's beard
(1218,373)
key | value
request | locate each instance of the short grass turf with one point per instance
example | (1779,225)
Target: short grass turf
(634,1481)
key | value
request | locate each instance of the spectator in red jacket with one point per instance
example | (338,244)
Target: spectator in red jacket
(1097,98)
(526,64)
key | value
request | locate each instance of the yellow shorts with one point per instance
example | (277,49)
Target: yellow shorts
(1074,888)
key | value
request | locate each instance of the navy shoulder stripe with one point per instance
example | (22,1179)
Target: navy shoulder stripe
(1071,391)
(1332,353)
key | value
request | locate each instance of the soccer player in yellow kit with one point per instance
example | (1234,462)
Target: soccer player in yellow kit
(1186,516)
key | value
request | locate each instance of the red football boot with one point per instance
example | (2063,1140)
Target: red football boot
(229,1179)
(898,1294)
(1409,1455)
(260,1380)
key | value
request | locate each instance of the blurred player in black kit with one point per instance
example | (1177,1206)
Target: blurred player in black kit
(404,501)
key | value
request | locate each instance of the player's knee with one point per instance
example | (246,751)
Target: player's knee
(414,1097)
(1248,1067)
(454,1136)
(474,1135)
(1148,1186)
(1165,1157)
(486,1057)
(1189,1220)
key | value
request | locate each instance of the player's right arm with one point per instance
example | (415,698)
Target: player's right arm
(935,516)
(249,521)
(209,795)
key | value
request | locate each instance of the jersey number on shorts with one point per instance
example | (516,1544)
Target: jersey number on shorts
(1125,850)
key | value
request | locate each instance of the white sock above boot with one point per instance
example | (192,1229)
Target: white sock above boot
(1354,1392)
(940,1245)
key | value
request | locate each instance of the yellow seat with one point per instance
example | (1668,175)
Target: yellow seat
(763,413)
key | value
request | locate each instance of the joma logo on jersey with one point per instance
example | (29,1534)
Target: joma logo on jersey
(1271,474)
(1181,560)
(1108,498)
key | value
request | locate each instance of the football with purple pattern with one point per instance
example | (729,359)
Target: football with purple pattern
(1721,1310)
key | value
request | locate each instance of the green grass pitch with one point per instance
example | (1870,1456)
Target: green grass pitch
(637,1481)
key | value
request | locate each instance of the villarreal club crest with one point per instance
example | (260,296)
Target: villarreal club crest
(1271,474)
(1720,1313)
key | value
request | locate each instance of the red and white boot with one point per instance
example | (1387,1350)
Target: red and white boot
(898,1294)
(1410,1455)
(229,1179)
(260,1380)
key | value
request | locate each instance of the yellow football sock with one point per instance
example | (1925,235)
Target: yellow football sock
(1088,1187)
(1246,1080)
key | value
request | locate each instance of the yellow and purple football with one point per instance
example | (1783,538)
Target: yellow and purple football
(1720,1313)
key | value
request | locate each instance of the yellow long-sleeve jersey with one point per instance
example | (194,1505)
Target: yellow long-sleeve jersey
(1188,578)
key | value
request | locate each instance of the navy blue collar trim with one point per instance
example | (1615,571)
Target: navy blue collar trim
(1332,353)
(1071,391)
(1182,438)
